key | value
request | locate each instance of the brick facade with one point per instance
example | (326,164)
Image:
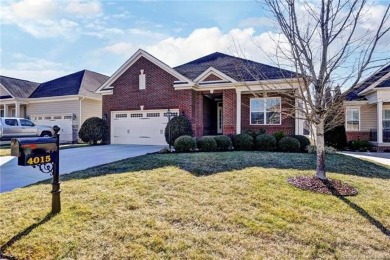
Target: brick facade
(288,122)
(357,135)
(160,94)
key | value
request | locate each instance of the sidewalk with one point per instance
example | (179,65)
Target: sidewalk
(382,158)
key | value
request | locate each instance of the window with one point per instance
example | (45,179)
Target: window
(353,118)
(1,112)
(120,115)
(386,119)
(11,122)
(137,115)
(24,122)
(265,111)
(153,114)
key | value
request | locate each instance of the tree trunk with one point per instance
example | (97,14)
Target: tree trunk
(320,166)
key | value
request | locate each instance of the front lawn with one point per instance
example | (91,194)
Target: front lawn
(232,205)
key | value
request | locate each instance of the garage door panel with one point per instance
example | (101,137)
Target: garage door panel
(64,121)
(139,127)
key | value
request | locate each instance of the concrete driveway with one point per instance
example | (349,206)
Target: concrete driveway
(13,176)
(383,158)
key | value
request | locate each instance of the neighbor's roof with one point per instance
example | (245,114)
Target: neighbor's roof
(237,68)
(353,95)
(18,88)
(84,83)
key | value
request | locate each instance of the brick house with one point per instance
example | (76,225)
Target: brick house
(219,93)
(367,110)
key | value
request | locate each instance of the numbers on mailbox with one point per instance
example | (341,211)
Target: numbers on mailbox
(39,159)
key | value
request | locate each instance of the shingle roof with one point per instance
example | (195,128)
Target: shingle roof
(237,68)
(18,88)
(80,83)
(353,95)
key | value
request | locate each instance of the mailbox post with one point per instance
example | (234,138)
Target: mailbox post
(56,191)
(44,153)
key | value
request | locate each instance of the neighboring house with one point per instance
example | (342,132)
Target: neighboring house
(367,110)
(67,101)
(220,94)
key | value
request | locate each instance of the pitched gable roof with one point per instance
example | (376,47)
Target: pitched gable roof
(237,68)
(376,80)
(80,83)
(18,88)
(136,56)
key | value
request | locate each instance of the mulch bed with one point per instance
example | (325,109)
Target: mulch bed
(329,186)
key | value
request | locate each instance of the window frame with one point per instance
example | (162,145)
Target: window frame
(265,110)
(346,119)
(385,119)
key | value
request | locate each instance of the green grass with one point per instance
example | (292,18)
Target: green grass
(233,205)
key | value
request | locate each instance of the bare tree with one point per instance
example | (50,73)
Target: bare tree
(328,49)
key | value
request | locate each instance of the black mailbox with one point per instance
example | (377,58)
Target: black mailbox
(34,151)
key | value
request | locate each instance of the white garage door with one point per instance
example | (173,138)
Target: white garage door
(64,121)
(139,127)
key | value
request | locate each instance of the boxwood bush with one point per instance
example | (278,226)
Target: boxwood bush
(265,142)
(207,144)
(94,129)
(185,143)
(243,142)
(178,126)
(303,141)
(279,135)
(223,142)
(289,144)
(360,145)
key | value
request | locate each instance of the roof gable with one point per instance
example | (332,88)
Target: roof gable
(379,79)
(136,56)
(236,68)
(79,83)
(213,76)
(18,88)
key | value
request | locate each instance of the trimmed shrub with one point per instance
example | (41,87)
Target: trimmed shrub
(184,143)
(289,144)
(254,133)
(223,142)
(265,142)
(336,138)
(279,135)
(243,142)
(303,141)
(93,130)
(207,143)
(178,126)
(360,145)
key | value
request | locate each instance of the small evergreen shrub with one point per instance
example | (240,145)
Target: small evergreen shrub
(289,144)
(336,137)
(207,144)
(279,135)
(243,142)
(265,142)
(254,133)
(178,126)
(93,130)
(360,145)
(223,142)
(303,141)
(185,143)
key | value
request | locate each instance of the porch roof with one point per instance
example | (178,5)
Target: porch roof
(18,88)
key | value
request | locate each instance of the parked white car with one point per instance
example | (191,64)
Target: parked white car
(12,127)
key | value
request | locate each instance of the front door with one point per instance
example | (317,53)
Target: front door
(219,118)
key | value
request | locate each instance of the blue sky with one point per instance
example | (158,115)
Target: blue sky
(45,39)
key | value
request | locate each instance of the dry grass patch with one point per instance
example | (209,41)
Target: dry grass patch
(172,206)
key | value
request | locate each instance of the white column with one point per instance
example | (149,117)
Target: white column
(17,109)
(5,110)
(379,109)
(238,111)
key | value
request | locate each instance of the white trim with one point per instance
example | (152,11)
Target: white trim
(355,103)
(346,118)
(265,111)
(213,71)
(136,56)
(238,112)
(373,85)
(379,111)
(60,98)
(7,90)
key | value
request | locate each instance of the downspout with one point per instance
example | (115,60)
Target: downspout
(81,99)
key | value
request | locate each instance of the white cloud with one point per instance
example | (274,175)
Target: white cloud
(29,10)
(84,8)
(38,76)
(120,48)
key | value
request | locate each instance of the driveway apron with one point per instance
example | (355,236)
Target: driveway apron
(13,176)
